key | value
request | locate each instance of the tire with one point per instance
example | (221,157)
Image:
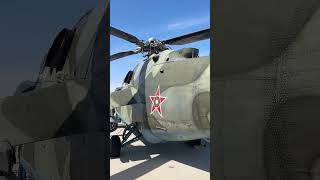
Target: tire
(196,142)
(115,148)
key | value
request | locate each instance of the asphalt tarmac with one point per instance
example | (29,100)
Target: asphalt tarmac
(172,160)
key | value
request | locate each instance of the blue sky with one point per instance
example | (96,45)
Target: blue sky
(163,19)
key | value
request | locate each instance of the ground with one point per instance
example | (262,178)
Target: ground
(172,160)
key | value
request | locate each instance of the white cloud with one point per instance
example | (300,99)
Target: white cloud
(189,23)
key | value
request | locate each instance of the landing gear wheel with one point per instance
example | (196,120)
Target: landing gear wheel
(115,149)
(195,143)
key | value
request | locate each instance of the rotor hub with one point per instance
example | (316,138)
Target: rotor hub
(154,46)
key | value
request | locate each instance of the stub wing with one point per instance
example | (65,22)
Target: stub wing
(131,113)
(126,105)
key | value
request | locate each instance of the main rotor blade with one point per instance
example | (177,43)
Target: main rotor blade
(126,36)
(122,54)
(189,38)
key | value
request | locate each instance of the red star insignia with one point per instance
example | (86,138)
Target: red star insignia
(156,102)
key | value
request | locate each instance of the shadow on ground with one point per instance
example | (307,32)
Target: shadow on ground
(177,151)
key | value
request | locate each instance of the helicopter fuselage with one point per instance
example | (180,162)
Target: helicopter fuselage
(168,96)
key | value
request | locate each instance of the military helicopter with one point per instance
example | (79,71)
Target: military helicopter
(66,99)
(165,98)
